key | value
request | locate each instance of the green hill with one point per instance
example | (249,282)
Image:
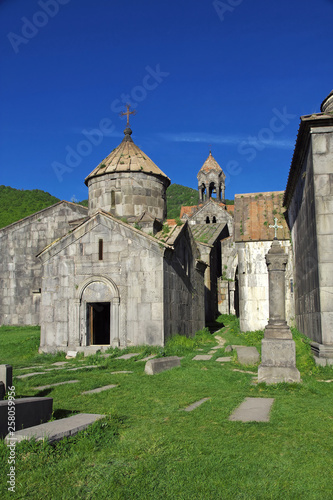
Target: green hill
(177,196)
(15,204)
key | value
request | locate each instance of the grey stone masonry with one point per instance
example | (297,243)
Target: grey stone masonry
(247,355)
(6,376)
(278,355)
(154,366)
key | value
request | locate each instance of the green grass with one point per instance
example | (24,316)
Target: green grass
(147,448)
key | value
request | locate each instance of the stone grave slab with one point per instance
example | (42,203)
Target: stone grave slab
(226,359)
(128,356)
(60,363)
(253,410)
(247,355)
(196,404)
(30,374)
(28,412)
(154,366)
(71,354)
(152,356)
(42,387)
(58,429)
(202,357)
(100,389)
(82,368)
(123,371)
(6,375)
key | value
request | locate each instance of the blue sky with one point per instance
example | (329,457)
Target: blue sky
(233,74)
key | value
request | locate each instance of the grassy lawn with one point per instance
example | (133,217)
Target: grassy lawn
(146,448)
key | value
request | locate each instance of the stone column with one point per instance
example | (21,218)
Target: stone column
(278,353)
(232,288)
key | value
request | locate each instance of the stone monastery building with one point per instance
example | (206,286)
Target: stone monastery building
(118,274)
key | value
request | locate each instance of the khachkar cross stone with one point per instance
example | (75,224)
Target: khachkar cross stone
(278,353)
(128,113)
(276,227)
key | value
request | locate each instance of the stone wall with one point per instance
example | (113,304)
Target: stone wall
(130,277)
(184,306)
(310,217)
(128,194)
(20,270)
(253,284)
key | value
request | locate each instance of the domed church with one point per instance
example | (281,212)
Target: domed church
(118,279)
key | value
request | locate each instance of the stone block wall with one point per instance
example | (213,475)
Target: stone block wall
(133,194)
(130,277)
(253,284)
(310,216)
(20,270)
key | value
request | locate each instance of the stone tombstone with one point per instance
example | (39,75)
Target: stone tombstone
(278,353)
(6,376)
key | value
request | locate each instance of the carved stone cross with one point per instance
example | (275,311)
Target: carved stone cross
(276,227)
(128,113)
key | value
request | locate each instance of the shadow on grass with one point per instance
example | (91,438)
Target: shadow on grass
(61,413)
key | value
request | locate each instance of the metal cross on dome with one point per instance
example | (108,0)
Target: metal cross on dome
(128,113)
(276,227)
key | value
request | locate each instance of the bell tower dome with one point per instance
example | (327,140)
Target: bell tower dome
(211,181)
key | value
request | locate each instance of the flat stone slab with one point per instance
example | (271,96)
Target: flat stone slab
(152,356)
(253,410)
(123,371)
(28,412)
(220,339)
(202,357)
(82,367)
(60,363)
(327,381)
(31,368)
(100,389)
(195,405)
(128,356)
(42,387)
(158,365)
(224,360)
(243,371)
(247,355)
(30,374)
(56,430)
(71,354)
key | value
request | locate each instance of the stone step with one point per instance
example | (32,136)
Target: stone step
(56,430)
(253,410)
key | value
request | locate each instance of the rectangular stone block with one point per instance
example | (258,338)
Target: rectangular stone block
(28,412)
(154,366)
(6,375)
(278,353)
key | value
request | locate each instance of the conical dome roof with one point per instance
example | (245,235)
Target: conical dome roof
(210,165)
(327,104)
(127,157)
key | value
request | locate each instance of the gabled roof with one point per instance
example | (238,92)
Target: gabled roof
(207,233)
(127,157)
(44,211)
(255,212)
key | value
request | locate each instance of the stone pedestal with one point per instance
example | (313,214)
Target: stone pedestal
(278,353)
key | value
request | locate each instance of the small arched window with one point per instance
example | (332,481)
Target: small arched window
(113,199)
(207,220)
(214,219)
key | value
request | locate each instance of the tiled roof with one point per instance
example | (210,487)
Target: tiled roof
(255,212)
(210,165)
(127,157)
(189,210)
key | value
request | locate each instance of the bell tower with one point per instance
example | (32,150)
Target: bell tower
(211,181)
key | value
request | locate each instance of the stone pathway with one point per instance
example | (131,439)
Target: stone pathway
(100,389)
(42,387)
(195,405)
(253,410)
(30,374)
(224,360)
(202,357)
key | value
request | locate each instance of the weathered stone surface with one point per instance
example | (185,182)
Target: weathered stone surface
(60,363)
(128,356)
(247,355)
(202,357)
(224,360)
(100,389)
(253,410)
(26,375)
(6,375)
(71,354)
(56,430)
(277,374)
(28,412)
(42,387)
(228,348)
(196,404)
(154,366)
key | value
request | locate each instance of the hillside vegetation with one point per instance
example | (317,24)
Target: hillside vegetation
(15,204)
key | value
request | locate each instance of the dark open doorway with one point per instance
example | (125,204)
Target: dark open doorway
(98,317)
